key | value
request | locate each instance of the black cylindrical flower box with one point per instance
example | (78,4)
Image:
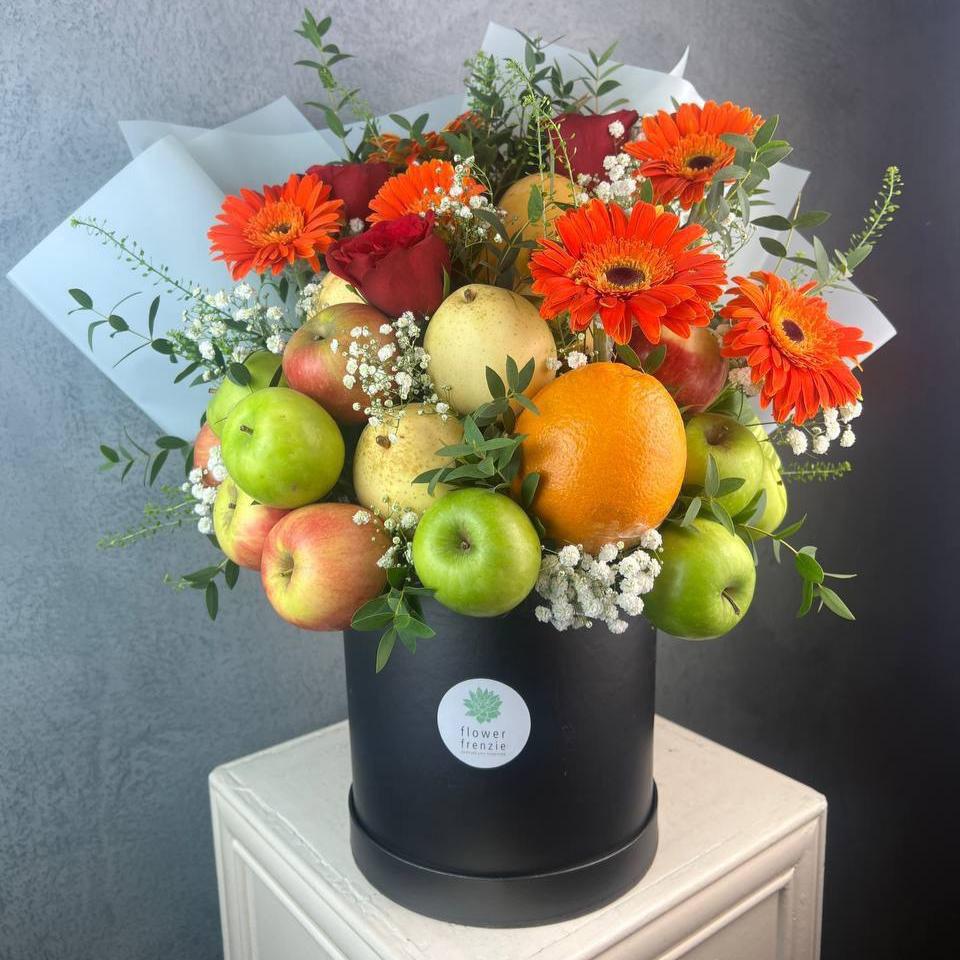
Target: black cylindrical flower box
(503,775)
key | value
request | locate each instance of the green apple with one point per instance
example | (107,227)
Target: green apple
(390,455)
(478,551)
(706,584)
(766,447)
(282,448)
(735,450)
(263,367)
(776,508)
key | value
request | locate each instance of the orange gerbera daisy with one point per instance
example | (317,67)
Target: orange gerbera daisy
(420,188)
(682,151)
(640,271)
(792,346)
(267,231)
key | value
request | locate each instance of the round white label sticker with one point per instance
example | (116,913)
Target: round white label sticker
(483,723)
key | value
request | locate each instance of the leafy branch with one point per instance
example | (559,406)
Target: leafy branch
(153,460)
(119,325)
(811,472)
(811,572)
(134,254)
(205,579)
(598,81)
(489,456)
(832,270)
(397,612)
(157,518)
(339,97)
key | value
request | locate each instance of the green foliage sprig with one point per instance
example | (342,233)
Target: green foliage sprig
(174,512)
(398,612)
(818,472)
(153,460)
(205,580)
(743,525)
(489,455)
(830,270)
(810,570)
(598,81)
(339,97)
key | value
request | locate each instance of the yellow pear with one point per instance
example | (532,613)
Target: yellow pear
(556,190)
(391,454)
(479,326)
(333,290)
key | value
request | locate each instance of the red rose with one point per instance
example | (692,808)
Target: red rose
(588,140)
(397,264)
(356,184)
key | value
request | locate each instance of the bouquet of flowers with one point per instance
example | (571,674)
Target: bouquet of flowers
(508,361)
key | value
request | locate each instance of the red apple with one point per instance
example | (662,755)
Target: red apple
(692,367)
(312,366)
(241,524)
(206,439)
(319,566)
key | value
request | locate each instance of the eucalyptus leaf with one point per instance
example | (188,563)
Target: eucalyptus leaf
(834,604)
(806,600)
(82,297)
(711,481)
(528,488)
(211,597)
(773,222)
(495,383)
(385,648)
(773,247)
(691,512)
(808,567)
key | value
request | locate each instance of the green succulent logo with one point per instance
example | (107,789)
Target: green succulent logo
(483,705)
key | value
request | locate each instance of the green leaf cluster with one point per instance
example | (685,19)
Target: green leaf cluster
(205,581)
(489,455)
(397,612)
(153,459)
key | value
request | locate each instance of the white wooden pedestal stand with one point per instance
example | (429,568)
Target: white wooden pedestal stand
(738,875)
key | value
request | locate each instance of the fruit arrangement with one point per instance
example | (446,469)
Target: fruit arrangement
(503,362)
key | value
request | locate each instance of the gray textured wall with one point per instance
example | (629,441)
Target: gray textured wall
(117,698)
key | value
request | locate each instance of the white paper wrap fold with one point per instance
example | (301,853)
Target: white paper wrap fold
(168,196)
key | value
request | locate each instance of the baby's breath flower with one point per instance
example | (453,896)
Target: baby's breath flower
(797,440)
(576,359)
(820,444)
(847,438)
(850,411)
(615,129)
(581,589)
(569,556)
(651,540)
(276,343)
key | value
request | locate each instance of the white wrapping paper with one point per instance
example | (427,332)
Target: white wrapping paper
(170,193)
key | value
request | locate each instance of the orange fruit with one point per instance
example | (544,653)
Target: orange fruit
(610,450)
(556,190)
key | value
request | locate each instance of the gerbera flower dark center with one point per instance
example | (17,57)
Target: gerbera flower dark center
(793,330)
(625,276)
(701,162)
(282,228)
